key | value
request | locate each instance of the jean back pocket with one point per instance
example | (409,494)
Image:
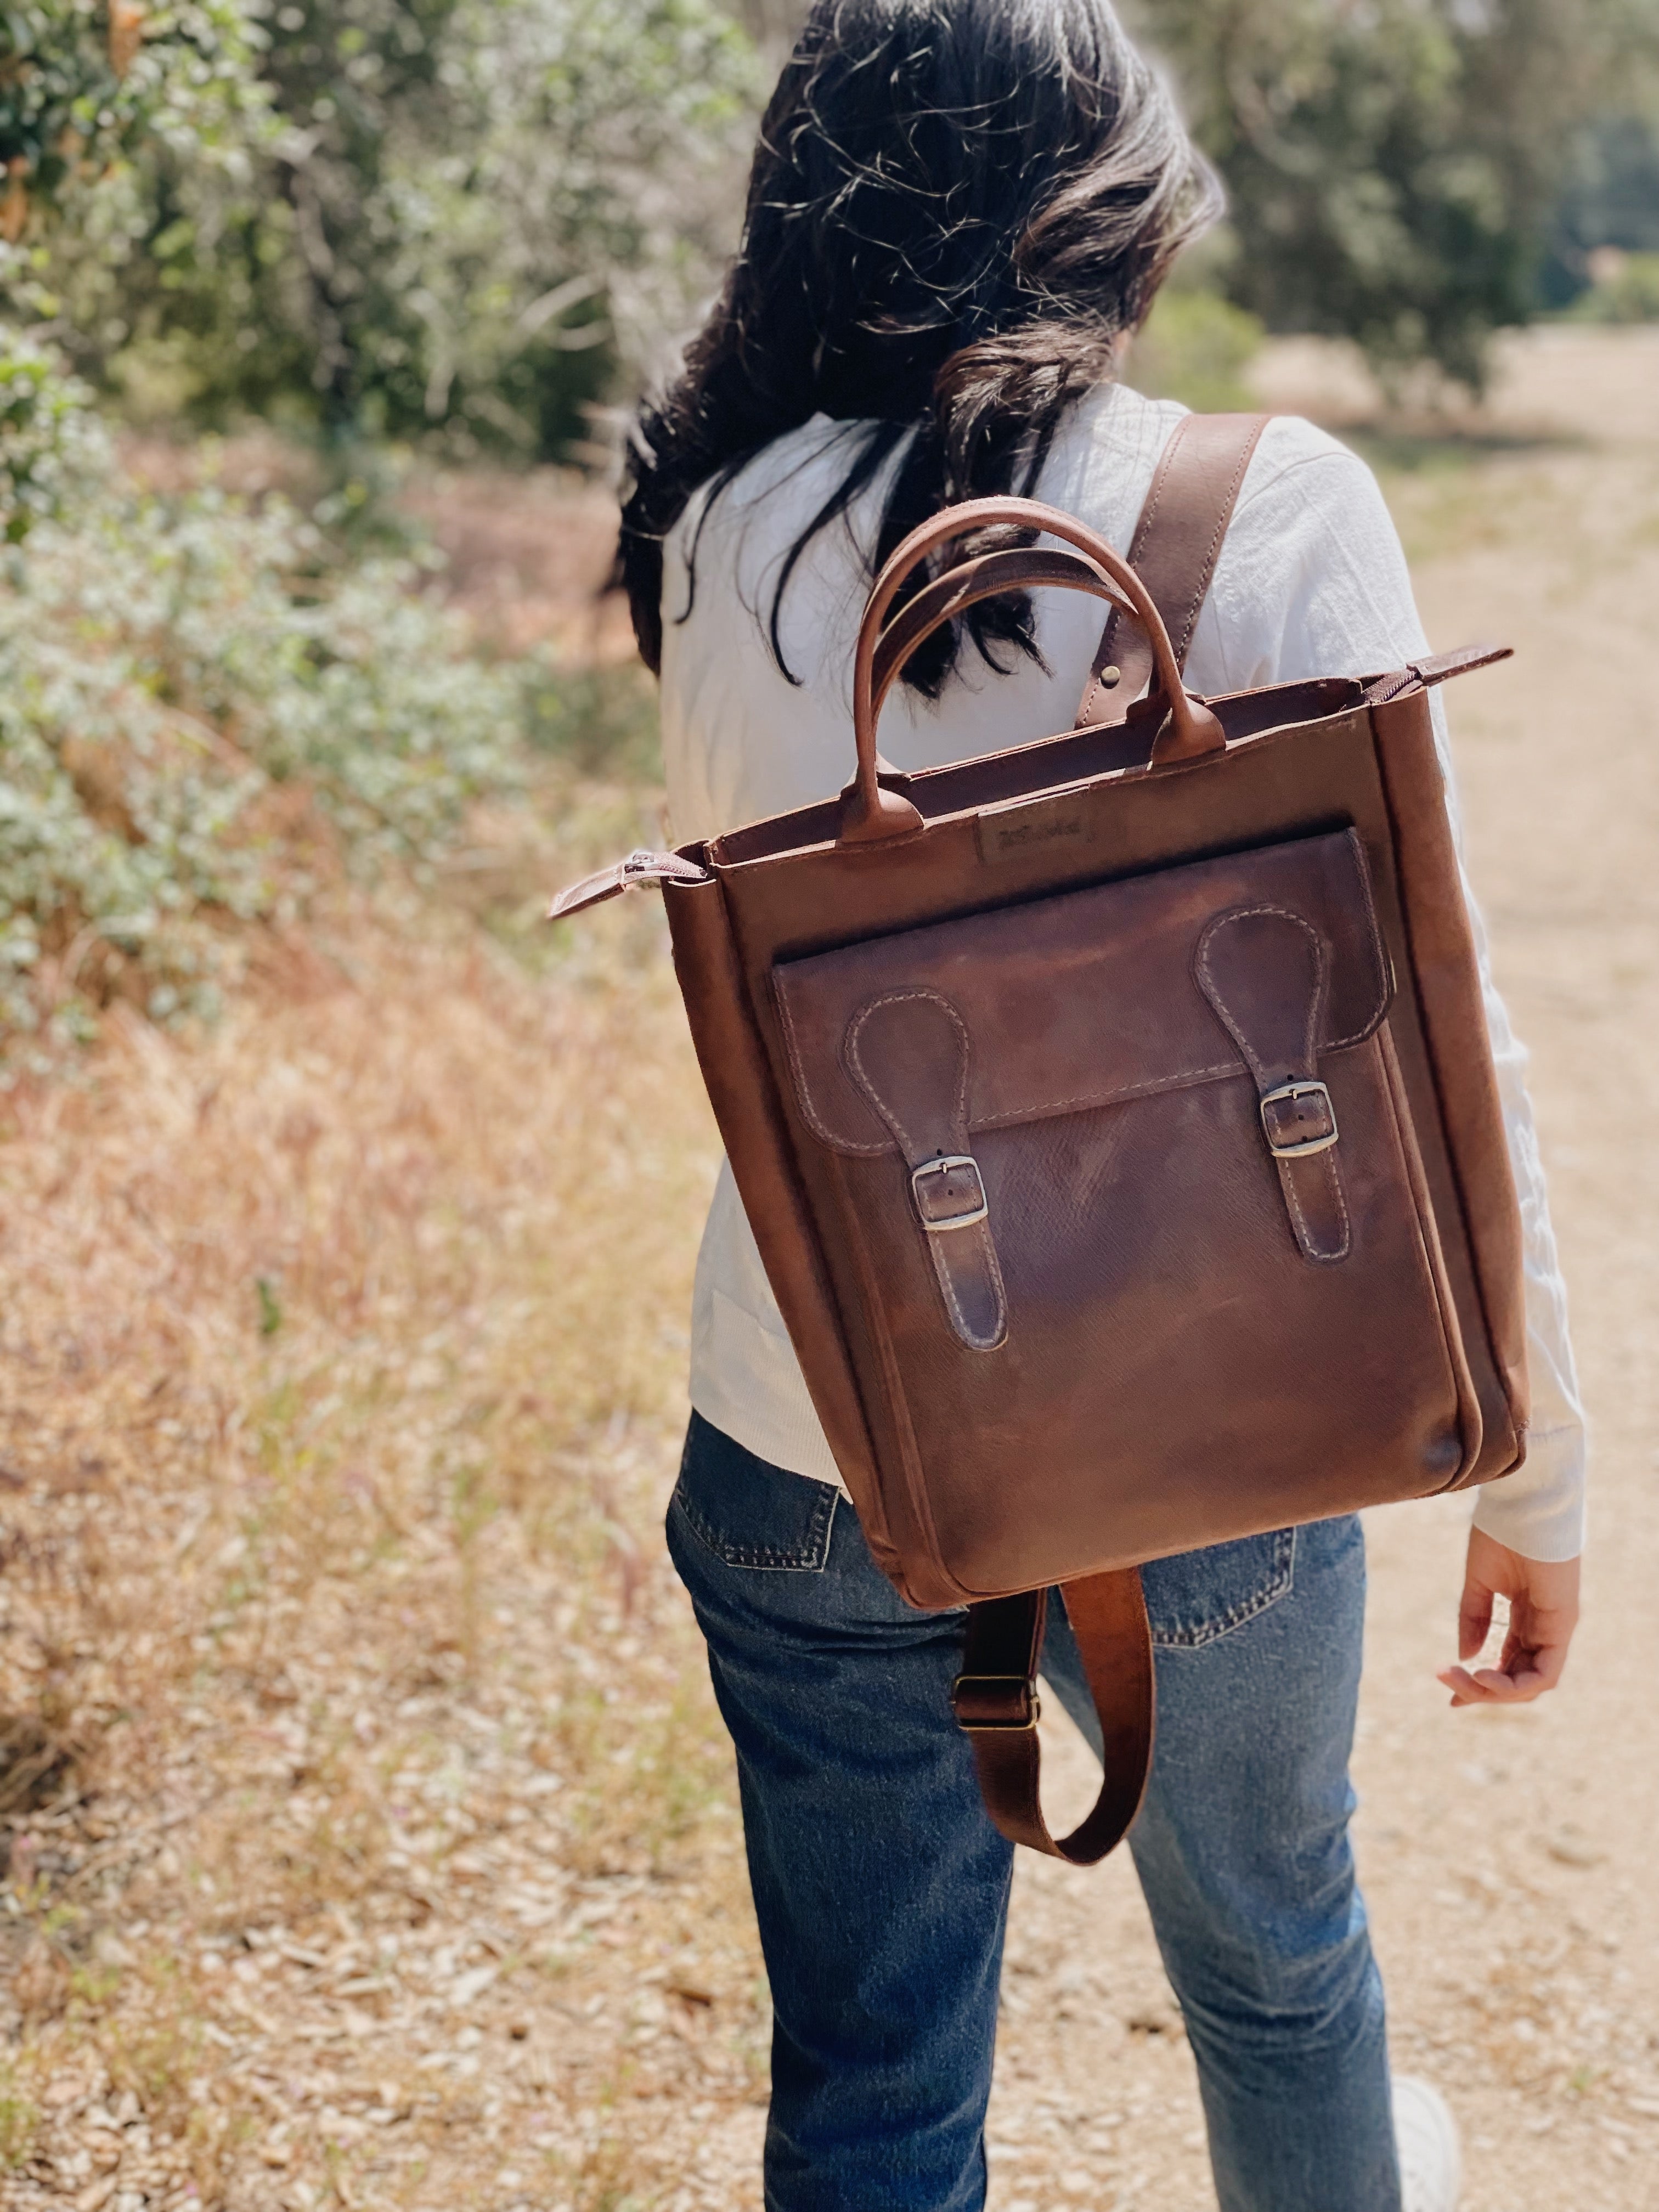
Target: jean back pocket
(749,1514)
(1197,1596)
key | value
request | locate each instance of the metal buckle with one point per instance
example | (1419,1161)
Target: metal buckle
(938,1172)
(1292,1093)
(1031,1704)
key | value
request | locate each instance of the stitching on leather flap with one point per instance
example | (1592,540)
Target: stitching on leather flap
(850,1044)
(820,1113)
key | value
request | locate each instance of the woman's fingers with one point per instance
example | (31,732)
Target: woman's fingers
(1543,1599)
(1465,1689)
(1530,1677)
(1532,1659)
(1473,1618)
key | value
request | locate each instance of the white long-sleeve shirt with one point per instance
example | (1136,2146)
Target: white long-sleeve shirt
(1311,581)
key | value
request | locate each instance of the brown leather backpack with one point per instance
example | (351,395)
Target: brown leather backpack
(1115,1118)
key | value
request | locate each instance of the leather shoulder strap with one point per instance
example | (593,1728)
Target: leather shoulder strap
(1174,552)
(996,1707)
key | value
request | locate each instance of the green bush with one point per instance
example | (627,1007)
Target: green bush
(1196,347)
(1627,291)
(52,448)
(602,721)
(201,714)
(82,82)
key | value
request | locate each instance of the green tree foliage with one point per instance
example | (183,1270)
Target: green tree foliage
(82,82)
(391,214)
(201,713)
(1394,167)
(51,447)
(86,86)
(463,214)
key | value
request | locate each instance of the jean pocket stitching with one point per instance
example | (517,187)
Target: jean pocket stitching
(1279,1581)
(809,1557)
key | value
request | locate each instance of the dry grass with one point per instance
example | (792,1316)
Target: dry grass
(351,1716)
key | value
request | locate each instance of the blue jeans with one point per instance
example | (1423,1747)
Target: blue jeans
(882,1888)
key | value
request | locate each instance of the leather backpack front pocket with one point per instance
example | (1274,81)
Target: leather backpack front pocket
(1130,1185)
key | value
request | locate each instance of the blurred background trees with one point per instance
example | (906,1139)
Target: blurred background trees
(454,231)
(461,215)
(1416,174)
(1411,174)
(472,220)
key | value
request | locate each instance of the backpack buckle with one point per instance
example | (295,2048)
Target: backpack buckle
(994,1701)
(1298,1120)
(949,1193)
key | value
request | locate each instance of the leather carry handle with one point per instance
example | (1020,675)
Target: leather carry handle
(643,867)
(996,1707)
(1176,542)
(870,811)
(1017,568)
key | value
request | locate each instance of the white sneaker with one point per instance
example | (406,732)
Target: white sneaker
(1431,2157)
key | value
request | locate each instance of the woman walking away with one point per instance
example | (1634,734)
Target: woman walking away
(960,212)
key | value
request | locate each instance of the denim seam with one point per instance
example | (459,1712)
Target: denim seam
(809,1557)
(1211,1631)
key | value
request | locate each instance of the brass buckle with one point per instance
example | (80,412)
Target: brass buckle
(1031,1704)
(939,1171)
(1303,1148)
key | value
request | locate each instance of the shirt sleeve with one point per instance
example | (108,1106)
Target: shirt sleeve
(1312,582)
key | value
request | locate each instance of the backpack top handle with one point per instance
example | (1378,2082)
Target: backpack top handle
(870,811)
(987,575)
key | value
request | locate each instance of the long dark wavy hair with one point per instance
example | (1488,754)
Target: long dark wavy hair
(957,208)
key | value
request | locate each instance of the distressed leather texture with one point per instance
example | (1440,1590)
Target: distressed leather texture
(1150,1282)
(1116,1121)
(1128,952)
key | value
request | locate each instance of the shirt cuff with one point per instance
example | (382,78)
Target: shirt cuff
(1540,1510)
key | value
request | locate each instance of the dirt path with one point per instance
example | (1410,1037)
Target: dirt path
(1506,1856)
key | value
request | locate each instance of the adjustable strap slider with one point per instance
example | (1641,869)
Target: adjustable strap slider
(1298,1120)
(994,1701)
(949,1193)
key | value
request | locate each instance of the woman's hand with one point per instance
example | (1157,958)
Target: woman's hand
(1543,1597)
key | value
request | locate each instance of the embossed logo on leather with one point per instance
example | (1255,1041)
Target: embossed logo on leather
(1005,832)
